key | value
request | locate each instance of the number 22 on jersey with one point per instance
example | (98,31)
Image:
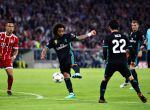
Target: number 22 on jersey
(119,45)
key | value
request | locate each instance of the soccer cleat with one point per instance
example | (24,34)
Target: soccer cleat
(102,100)
(143,99)
(9,92)
(70,96)
(124,85)
(77,75)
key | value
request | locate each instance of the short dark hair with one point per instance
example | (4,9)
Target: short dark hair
(10,20)
(55,29)
(113,24)
(135,21)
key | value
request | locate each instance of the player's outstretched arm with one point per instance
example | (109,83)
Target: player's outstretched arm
(43,53)
(92,33)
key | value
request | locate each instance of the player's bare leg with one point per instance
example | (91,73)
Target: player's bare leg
(10,80)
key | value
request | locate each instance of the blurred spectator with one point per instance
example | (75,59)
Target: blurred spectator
(35,18)
(96,63)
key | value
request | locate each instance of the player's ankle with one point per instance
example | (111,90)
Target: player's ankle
(139,94)
(102,98)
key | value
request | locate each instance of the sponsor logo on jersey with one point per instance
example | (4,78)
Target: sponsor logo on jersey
(117,35)
(62,46)
(132,40)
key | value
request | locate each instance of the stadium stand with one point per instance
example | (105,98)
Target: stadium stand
(35,18)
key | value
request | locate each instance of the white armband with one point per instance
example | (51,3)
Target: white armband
(89,34)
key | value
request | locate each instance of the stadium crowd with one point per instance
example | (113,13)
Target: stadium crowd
(35,18)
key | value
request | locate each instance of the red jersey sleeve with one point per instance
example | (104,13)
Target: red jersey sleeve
(15,46)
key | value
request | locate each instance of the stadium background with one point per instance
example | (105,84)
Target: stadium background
(35,20)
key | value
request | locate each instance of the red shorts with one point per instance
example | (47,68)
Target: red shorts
(6,63)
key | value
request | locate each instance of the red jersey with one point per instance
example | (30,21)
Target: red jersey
(7,44)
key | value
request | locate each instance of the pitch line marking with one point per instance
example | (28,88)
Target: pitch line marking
(31,94)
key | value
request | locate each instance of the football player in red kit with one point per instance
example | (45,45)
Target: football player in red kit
(8,51)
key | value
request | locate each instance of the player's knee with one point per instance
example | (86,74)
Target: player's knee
(66,75)
(131,78)
(10,75)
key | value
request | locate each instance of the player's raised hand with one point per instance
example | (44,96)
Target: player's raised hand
(93,33)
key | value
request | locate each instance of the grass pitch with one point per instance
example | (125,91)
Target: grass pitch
(33,89)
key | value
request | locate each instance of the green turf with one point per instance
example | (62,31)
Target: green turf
(39,81)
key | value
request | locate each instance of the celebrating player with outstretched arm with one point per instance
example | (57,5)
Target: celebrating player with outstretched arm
(61,44)
(8,51)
